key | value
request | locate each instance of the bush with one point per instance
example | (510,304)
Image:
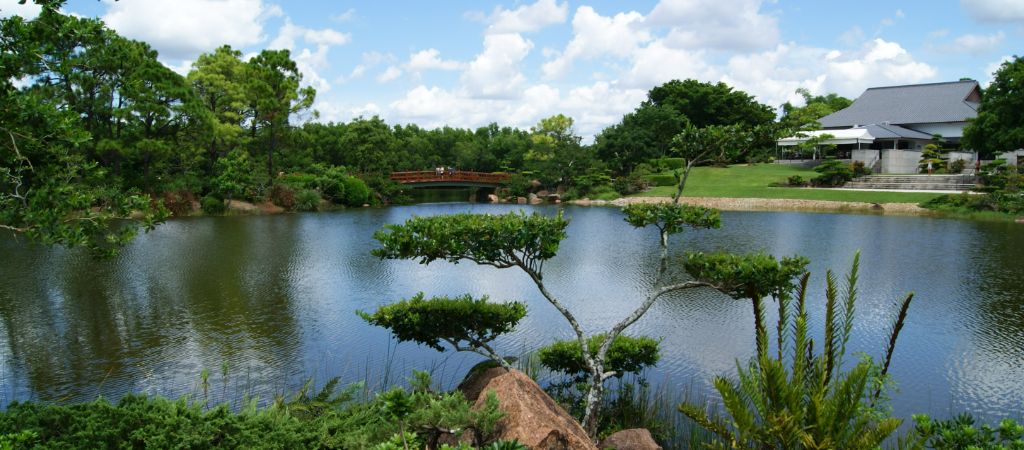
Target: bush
(859,170)
(630,184)
(957,166)
(603,192)
(673,163)
(963,433)
(307,200)
(661,179)
(833,173)
(213,205)
(297,181)
(283,196)
(356,191)
(179,202)
(796,181)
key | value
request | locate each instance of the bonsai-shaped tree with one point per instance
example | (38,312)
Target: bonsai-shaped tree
(797,399)
(526,242)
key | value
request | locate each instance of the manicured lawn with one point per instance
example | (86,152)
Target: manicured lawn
(743,181)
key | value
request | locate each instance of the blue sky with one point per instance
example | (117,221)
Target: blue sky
(468,63)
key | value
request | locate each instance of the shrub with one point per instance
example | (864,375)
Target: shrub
(179,202)
(833,172)
(213,205)
(298,181)
(673,163)
(603,192)
(307,200)
(860,170)
(962,432)
(630,184)
(356,191)
(661,179)
(796,181)
(283,196)
(957,166)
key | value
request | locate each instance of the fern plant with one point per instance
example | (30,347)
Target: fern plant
(796,398)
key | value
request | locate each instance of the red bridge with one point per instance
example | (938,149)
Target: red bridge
(449,178)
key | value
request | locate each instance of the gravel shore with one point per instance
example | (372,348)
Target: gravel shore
(770,204)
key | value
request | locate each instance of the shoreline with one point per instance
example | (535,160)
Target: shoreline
(773,204)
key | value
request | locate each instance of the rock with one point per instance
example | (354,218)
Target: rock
(1020,220)
(521,200)
(366,205)
(535,184)
(531,416)
(492,198)
(242,207)
(534,199)
(554,198)
(543,194)
(633,439)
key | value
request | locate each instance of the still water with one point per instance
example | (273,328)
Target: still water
(271,301)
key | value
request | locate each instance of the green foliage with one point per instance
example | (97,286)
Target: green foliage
(627,354)
(671,218)
(505,445)
(833,172)
(661,180)
(746,276)
(999,126)
(932,156)
(962,432)
(1005,202)
(463,322)
(798,399)
(498,240)
(213,205)
(957,166)
(356,192)
(630,184)
(860,170)
(796,181)
(815,107)
(234,175)
(307,200)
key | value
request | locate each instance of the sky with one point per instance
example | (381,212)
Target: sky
(469,63)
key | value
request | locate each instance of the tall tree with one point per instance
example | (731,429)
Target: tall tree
(219,81)
(999,126)
(274,95)
(805,118)
(706,104)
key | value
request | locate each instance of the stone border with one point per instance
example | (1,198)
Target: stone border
(771,204)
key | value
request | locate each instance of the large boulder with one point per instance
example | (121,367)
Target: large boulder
(632,439)
(521,200)
(531,416)
(534,199)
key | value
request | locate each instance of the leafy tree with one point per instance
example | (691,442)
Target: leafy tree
(626,355)
(714,144)
(50,189)
(274,96)
(234,175)
(706,104)
(799,399)
(963,432)
(999,126)
(833,172)
(219,81)
(805,118)
(464,323)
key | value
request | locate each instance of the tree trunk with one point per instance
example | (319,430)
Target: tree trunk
(595,395)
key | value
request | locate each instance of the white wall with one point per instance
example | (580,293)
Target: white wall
(900,161)
(866,156)
(946,129)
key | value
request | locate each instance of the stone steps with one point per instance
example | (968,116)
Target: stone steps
(911,182)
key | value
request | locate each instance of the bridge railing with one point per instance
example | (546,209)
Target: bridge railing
(427,176)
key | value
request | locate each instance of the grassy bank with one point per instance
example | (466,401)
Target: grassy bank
(743,181)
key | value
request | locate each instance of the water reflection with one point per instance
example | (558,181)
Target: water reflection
(273,298)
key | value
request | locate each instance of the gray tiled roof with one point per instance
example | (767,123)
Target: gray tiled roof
(916,103)
(890,131)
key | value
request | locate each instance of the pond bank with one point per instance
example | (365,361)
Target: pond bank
(772,204)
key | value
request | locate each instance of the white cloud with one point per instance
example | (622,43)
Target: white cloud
(390,74)
(658,63)
(528,18)
(496,72)
(716,24)
(183,29)
(346,16)
(595,35)
(430,59)
(994,10)
(289,32)
(878,63)
(10,8)
(975,43)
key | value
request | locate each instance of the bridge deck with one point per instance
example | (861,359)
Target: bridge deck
(431,177)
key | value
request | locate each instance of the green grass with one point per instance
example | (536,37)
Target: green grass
(743,181)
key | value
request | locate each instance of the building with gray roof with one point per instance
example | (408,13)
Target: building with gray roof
(898,121)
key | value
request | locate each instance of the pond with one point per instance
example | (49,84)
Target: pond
(270,301)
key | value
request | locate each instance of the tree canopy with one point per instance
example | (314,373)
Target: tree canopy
(999,126)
